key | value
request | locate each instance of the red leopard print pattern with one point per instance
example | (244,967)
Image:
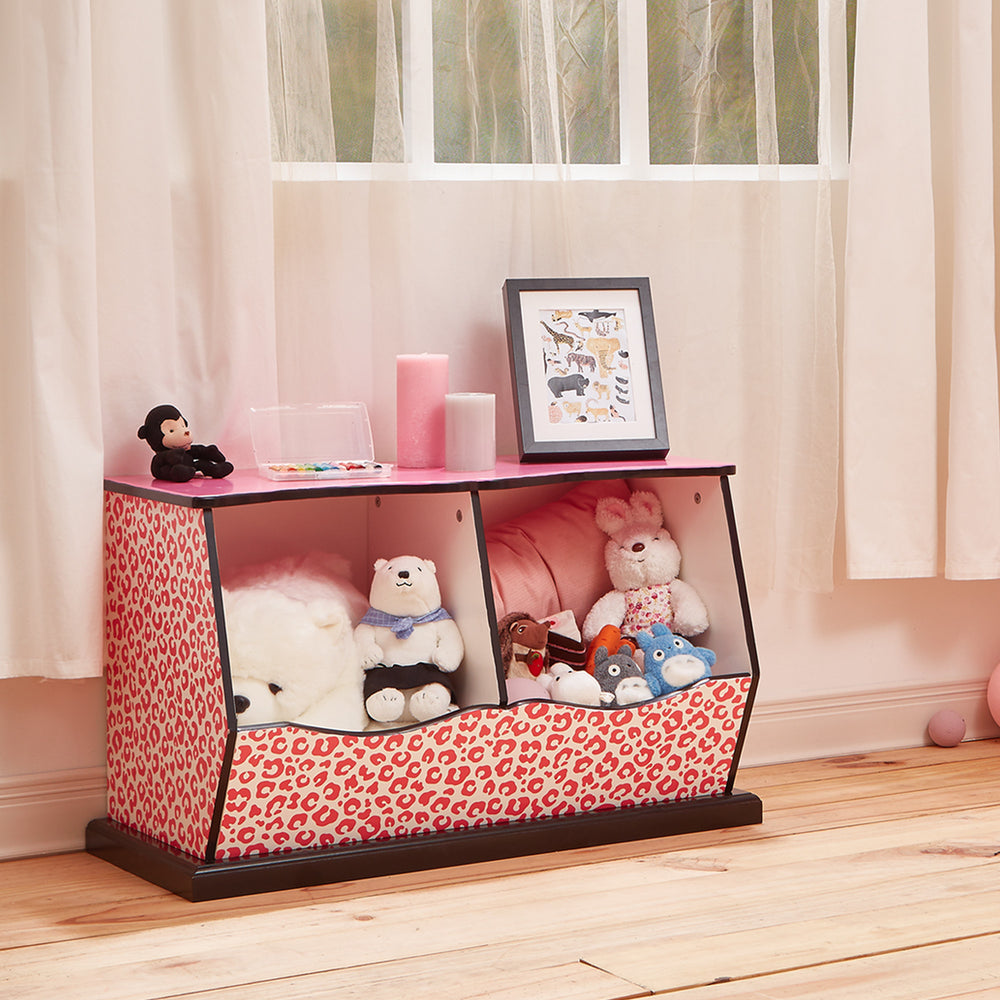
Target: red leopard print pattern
(293,788)
(166,714)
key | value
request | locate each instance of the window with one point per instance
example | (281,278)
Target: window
(496,68)
(352,46)
(622,87)
(702,99)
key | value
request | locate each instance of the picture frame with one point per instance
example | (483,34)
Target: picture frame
(585,369)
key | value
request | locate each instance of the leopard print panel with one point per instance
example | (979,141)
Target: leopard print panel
(292,788)
(165,704)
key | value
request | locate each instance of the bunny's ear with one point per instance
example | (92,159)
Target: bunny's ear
(611,514)
(646,509)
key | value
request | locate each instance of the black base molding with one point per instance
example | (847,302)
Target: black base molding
(197,880)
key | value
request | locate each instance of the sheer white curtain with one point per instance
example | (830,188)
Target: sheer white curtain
(742,271)
(50,512)
(922,422)
(135,242)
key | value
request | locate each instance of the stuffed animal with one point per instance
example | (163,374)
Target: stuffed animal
(290,636)
(528,650)
(573,687)
(523,645)
(672,662)
(643,561)
(175,458)
(409,644)
(611,660)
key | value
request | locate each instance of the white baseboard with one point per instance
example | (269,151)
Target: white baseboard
(48,813)
(860,722)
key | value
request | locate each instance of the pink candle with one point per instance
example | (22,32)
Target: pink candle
(421,385)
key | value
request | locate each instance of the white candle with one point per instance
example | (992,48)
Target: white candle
(470,431)
(421,385)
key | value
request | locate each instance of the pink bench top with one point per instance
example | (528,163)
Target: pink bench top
(249,486)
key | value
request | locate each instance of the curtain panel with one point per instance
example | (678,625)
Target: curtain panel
(50,400)
(136,236)
(921,417)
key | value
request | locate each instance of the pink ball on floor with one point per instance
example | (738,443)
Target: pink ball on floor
(946,728)
(993,695)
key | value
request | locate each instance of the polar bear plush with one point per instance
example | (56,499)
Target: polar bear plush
(290,637)
(409,644)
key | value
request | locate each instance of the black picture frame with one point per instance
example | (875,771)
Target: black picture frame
(585,369)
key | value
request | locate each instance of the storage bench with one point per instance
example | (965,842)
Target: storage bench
(207,808)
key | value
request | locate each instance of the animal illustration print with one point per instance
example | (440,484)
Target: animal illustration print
(585,354)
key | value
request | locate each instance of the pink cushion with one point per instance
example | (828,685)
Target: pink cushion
(551,559)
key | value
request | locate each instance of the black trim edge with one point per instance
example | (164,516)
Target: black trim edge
(198,881)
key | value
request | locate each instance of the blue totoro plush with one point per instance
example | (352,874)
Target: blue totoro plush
(671,662)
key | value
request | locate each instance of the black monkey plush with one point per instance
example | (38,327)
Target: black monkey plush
(176,458)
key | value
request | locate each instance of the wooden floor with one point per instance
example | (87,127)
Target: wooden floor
(872,877)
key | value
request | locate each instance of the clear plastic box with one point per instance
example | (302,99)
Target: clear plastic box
(314,441)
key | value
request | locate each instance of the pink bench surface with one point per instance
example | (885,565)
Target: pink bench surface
(245,483)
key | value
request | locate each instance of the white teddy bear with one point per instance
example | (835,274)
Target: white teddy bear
(643,562)
(409,644)
(290,638)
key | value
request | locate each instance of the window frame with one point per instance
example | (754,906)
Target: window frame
(418,119)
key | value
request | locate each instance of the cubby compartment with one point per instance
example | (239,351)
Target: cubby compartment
(441,527)
(209,808)
(698,513)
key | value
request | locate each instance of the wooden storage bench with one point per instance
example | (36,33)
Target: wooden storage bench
(208,809)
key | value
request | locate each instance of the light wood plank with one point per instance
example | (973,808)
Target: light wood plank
(100,897)
(699,960)
(882,762)
(459,977)
(541,915)
(838,784)
(954,970)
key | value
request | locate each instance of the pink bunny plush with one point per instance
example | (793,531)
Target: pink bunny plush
(643,562)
